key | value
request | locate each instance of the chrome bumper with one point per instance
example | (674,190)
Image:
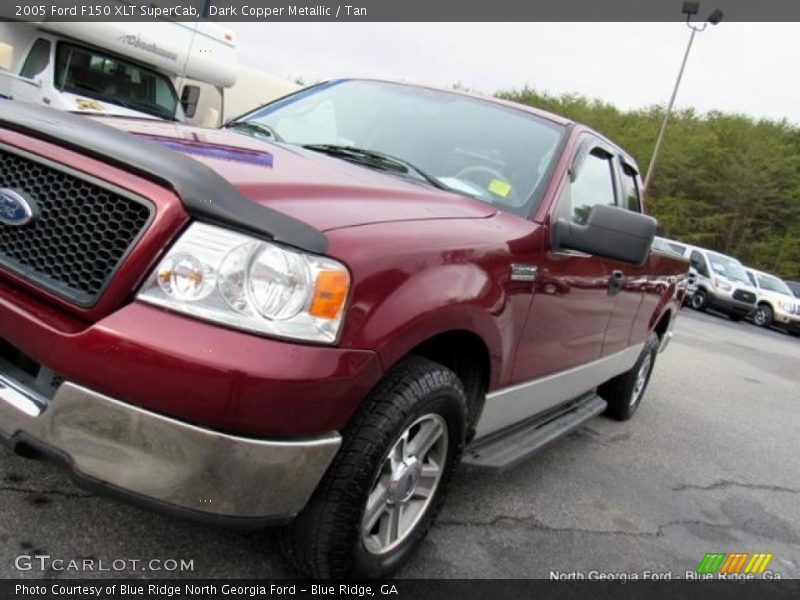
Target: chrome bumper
(159,459)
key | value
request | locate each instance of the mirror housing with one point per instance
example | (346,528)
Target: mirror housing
(610,232)
(190,97)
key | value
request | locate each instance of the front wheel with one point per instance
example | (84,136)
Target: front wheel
(624,393)
(699,300)
(378,498)
(763,316)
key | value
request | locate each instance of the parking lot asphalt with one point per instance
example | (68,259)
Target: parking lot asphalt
(710,463)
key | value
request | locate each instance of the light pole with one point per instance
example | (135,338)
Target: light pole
(689,9)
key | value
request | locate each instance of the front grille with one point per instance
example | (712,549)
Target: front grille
(80,236)
(744,296)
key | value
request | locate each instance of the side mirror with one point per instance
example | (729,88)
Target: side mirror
(6,57)
(190,96)
(610,232)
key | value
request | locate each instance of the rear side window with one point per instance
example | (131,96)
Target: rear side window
(630,189)
(593,185)
(37,60)
(699,263)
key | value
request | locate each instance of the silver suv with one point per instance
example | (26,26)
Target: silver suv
(776,304)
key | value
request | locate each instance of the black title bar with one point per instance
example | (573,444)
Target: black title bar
(393,10)
(407,589)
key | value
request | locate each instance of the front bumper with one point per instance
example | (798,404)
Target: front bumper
(729,305)
(787,320)
(161,461)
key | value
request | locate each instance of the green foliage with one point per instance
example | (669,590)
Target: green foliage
(724,181)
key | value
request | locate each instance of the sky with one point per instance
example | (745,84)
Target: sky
(749,68)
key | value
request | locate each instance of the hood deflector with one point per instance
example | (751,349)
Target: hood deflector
(205,195)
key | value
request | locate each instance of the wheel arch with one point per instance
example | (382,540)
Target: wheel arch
(467,355)
(662,325)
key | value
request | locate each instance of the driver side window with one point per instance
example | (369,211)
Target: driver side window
(699,263)
(593,185)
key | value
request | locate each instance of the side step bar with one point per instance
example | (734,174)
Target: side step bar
(509,447)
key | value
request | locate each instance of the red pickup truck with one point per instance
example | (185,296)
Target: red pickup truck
(310,317)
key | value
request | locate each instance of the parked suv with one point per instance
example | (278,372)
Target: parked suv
(775,304)
(309,317)
(720,283)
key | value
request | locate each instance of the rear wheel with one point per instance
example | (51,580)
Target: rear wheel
(378,498)
(624,393)
(699,300)
(763,316)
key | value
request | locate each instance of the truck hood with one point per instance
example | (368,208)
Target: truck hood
(325,192)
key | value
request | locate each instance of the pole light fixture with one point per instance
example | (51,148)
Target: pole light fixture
(690,9)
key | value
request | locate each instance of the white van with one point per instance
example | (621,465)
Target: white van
(721,283)
(776,304)
(117,68)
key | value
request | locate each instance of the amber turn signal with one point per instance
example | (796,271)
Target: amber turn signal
(330,294)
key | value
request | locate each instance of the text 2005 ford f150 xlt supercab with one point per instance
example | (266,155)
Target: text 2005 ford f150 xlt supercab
(311,316)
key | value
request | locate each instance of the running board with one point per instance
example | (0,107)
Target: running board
(509,447)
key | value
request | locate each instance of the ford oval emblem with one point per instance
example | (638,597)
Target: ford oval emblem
(15,208)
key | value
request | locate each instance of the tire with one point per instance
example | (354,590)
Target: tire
(332,537)
(763,315)
(624,392)
(699,300)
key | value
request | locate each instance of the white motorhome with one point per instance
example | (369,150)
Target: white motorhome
(122,68)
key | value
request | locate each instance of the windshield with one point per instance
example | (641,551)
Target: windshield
(101,76)
(728,267)
(773,284)
(475,147)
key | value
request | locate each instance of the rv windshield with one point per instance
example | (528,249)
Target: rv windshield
(101,76)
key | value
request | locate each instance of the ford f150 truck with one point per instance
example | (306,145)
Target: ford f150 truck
(312,316)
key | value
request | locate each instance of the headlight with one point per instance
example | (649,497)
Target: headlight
(230,278)
(723,285)
(787,306)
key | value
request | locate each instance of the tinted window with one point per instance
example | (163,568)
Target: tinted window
(37,59)
(630,184)
(594,185)
(102,76)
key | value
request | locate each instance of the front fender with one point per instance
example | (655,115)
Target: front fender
(440,299)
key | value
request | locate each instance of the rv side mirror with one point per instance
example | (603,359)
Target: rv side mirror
(610,232)
(190,96)
(6,57)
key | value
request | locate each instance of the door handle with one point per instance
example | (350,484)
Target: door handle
(615,282)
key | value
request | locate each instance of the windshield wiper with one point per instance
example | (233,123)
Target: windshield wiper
(376,159)
(252,127)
